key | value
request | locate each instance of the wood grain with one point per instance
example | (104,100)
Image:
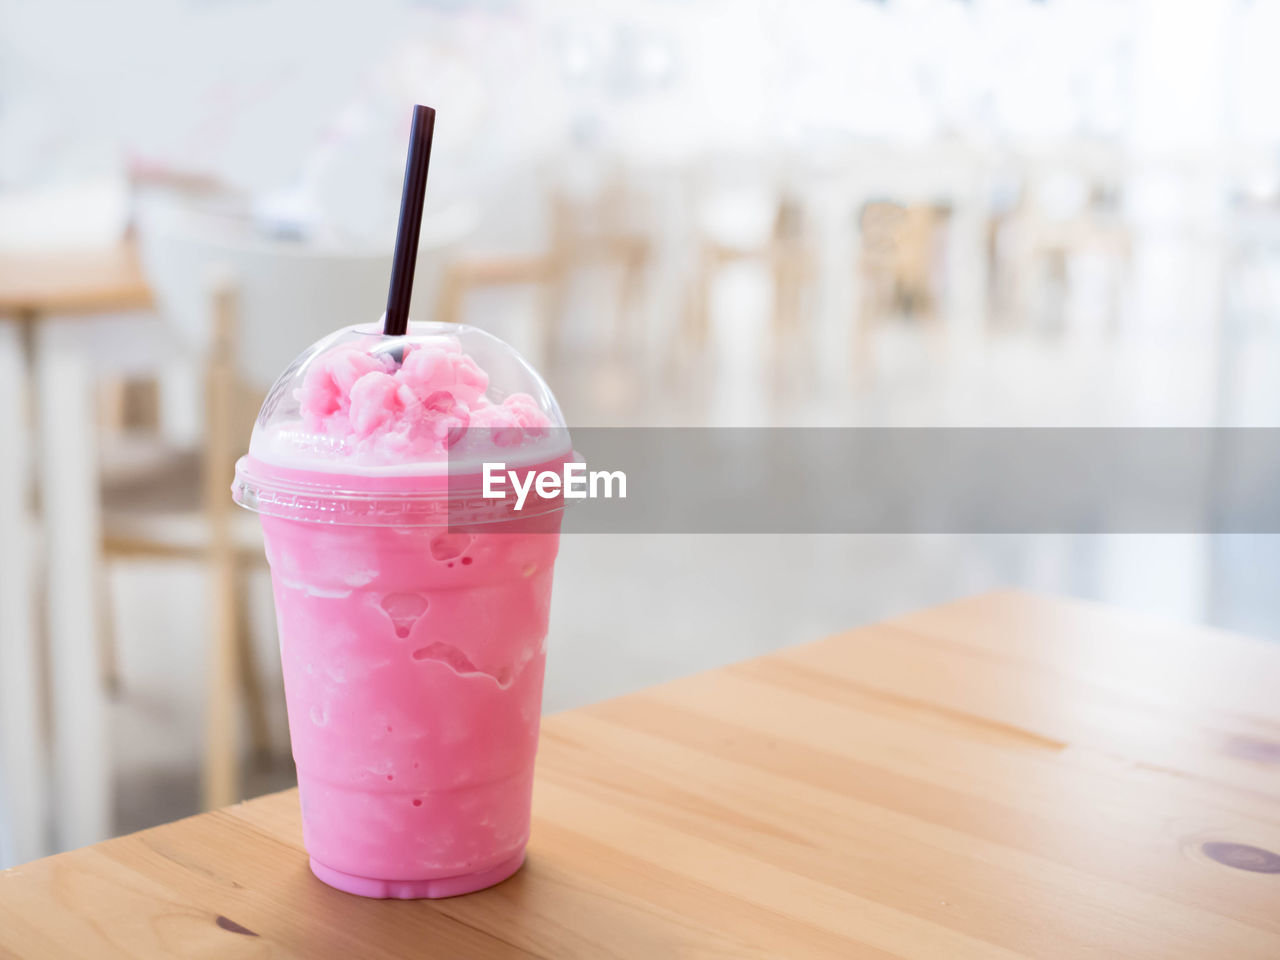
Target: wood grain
(1004,777)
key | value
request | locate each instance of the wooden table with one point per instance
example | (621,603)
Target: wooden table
(1007,776)
(44,299)
(35,285)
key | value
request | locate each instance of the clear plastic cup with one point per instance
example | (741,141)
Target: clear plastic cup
(412,611)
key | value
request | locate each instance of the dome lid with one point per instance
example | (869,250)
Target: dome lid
(365,425)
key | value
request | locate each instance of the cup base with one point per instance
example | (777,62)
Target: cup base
(435,889)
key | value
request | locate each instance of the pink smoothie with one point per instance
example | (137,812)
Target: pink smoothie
(413,653)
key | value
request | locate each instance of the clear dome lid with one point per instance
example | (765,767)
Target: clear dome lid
(362,423)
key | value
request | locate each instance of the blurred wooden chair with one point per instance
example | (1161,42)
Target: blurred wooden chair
(898,262)
(581,231)
(606,228)
(1096,232)
(169,502)
(1062,215)
(247,306)
(749,220)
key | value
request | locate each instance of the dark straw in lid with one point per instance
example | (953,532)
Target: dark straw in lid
(406,254)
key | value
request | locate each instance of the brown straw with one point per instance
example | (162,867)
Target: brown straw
(406,254)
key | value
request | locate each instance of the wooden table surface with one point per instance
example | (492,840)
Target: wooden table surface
(1006,776)
(34,285)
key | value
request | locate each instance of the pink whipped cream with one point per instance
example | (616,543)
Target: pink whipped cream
(375,411)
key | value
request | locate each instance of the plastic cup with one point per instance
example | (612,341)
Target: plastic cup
(412,613)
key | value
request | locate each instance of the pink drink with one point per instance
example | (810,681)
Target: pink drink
(413,663)
(413,652)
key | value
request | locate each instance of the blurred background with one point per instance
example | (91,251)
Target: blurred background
(684,212)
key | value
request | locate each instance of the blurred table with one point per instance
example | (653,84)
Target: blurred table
(38,285)
(44,301)
(1006,776)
